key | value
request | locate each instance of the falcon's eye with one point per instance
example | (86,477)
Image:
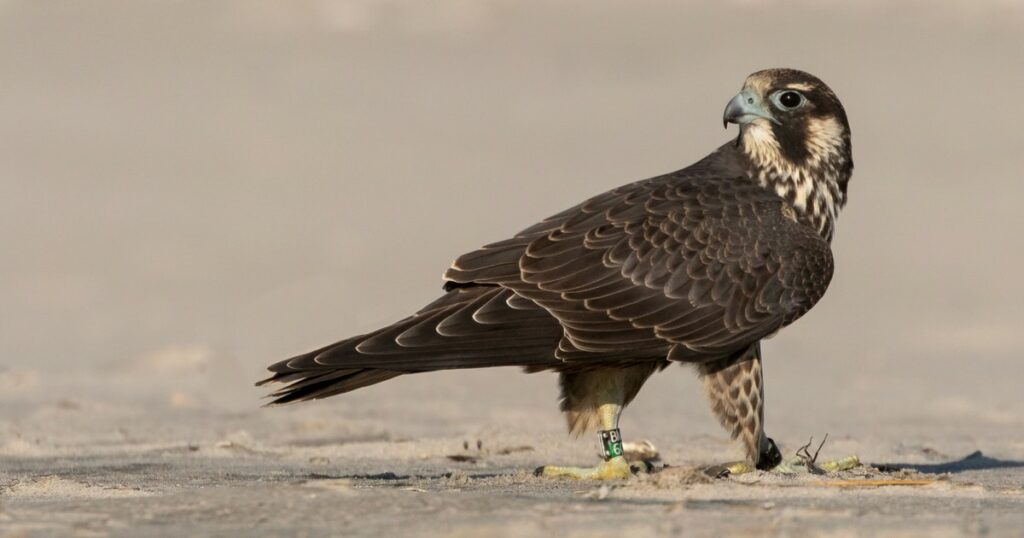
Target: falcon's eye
(788,99)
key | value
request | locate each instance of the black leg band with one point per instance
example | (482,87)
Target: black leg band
(611,442)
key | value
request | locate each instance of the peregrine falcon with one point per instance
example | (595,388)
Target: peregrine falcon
(695,266)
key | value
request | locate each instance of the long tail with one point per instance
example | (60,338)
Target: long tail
(468,327)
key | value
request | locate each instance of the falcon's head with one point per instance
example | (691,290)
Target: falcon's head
(796,138)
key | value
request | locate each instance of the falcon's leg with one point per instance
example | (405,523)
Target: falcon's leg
(735,387)
(595,398)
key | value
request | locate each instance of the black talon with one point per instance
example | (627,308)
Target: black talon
(539,471)
(769,457)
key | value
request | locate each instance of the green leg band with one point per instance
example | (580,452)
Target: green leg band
(611,442)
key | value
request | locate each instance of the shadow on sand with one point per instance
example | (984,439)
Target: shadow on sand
(975,461)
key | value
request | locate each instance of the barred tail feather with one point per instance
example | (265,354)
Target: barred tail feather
(468,327)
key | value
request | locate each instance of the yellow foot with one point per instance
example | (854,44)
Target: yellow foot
(769,458)
(729,469)
(794,465)
(615,468)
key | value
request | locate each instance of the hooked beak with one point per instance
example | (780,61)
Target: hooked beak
(745,108)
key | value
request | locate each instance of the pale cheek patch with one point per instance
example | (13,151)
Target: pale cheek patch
(824,137)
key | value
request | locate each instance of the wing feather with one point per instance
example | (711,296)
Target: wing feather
(697,263)
(690,266)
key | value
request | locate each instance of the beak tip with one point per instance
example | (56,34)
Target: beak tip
(744,108)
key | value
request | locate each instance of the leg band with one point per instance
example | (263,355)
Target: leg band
(611,442)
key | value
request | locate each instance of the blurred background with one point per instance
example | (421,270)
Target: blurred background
(199,189)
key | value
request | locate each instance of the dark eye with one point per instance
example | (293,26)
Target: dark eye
(788,100)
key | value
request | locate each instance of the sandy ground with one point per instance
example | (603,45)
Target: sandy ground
(127,457)
(193,190)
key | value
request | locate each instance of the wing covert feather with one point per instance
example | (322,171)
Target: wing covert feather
(697,263)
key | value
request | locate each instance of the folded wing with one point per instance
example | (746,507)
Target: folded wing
(696,265)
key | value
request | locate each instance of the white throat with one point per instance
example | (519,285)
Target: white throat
(810,187)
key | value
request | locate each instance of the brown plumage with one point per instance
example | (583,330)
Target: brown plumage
(695,266)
